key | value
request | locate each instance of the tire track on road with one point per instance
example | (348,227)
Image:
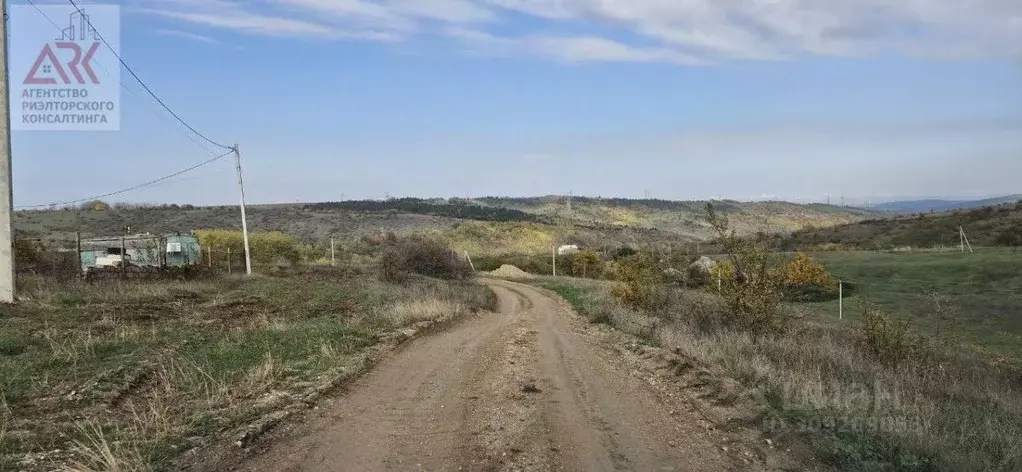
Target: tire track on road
(527,388)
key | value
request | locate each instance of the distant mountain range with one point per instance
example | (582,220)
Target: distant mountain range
(936,205)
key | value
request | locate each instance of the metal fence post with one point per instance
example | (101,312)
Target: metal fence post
(124,260)
(78,246)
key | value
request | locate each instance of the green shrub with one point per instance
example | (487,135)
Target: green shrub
(267,248)
(641,282)
(584,264)
(533,264)
(1010,236)
(27,252)
(890,342)
(422,256)
(750,286)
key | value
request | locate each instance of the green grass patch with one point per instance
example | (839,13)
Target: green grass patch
(974,296)
(154,363)
(569,292)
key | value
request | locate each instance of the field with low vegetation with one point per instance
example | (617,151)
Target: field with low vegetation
(923,372)
(975,297)
(139,375)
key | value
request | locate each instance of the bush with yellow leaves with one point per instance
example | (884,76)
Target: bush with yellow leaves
(804,271)
(267,248)
(640,282)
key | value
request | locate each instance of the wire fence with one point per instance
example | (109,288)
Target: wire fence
(155,256)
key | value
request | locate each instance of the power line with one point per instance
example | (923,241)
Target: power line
(143,84)
(136,187)
(176,125)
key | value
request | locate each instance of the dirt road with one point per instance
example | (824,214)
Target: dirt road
(527,388)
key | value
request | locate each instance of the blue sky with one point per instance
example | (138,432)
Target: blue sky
(747,99)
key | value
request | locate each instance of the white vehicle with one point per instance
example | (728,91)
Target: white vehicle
(112,260)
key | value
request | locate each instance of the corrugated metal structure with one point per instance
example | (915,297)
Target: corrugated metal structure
(141,250)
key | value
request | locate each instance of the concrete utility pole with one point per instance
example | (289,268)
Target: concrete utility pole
(6,193)
(333,257)
(553,259)
(244,219)
(840,300)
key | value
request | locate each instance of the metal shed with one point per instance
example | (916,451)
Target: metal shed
(141,250)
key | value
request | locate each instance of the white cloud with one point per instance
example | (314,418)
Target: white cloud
(240,17)
(756,29)
(452,11)
(565,48)
(186,35)
(594,49)
(672,31)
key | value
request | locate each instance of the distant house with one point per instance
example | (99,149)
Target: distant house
(567,249)
(141,250)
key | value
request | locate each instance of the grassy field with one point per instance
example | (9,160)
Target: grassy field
(131,375)
(977,296)
(943,408)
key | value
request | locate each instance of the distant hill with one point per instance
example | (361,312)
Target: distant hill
(686,218)
(489,224)
(999,225)
(932,205)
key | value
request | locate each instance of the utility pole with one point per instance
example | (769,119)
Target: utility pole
(7,193)
(964,239)
(961,239)
(333,258)
(553,259)
(78,247)
(244,220)
(840,300)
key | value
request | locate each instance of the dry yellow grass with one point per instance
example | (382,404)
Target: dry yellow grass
(424,309)
(96,453)
(945,408)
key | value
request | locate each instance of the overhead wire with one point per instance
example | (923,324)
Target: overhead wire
(229,149)
(142,82)
(174,123)
(136,187)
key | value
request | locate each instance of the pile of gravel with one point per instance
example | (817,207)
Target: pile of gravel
(511,272)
